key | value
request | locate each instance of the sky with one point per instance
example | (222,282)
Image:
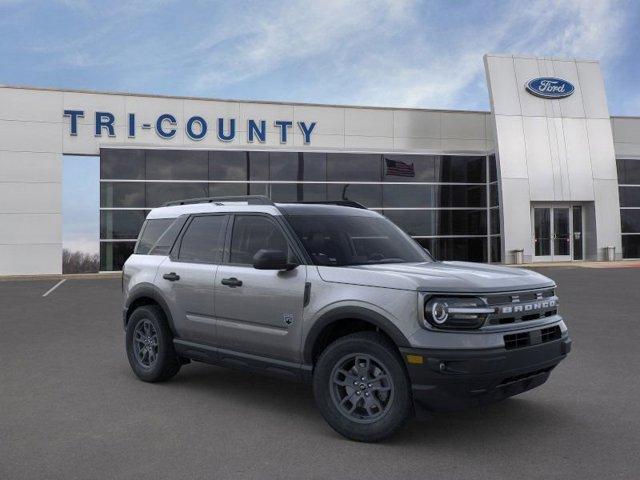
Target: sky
(400,53)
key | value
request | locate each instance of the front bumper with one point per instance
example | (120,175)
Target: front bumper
(449,379)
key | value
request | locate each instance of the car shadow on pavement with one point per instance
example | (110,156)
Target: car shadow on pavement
(243,393)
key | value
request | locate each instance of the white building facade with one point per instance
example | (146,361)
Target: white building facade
(546,172)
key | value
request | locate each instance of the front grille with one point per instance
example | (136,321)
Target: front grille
(535,337)
(522,306)
(525,376)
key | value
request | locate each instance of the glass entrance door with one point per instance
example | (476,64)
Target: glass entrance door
(557,232)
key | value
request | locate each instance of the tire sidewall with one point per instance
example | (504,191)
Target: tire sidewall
(379,347)
(166,353)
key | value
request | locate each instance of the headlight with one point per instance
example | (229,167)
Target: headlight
(456,313)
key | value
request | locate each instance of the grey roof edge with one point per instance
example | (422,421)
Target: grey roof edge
(232,100)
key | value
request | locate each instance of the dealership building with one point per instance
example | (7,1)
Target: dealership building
(546,175)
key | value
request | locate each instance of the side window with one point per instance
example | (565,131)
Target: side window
(151,231)
(204,239)
(252,233)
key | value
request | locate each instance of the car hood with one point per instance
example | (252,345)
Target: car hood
(438,277)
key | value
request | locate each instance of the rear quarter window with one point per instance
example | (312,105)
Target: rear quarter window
(151,232)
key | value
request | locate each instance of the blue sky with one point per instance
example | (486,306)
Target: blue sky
(391,53)
(394,53)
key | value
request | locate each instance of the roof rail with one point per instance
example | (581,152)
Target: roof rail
(250,199)
(341,203)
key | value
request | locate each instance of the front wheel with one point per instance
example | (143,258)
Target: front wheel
(361,387)
(150,345)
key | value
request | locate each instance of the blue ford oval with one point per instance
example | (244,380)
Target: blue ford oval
(549,87)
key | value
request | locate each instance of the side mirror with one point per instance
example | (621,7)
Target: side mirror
(272,260)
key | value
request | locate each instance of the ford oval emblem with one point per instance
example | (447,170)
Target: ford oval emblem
(549,87)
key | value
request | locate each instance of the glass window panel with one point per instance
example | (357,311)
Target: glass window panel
(122,163)
(160,193)
(461,169)
(462,249)
(228,189)
(494,214)
(409,168)
(368,195)
(629,196)
(630,221)
(258,166)
(439,222)
(177,165)
(406,196)
(458,195)
(355,167)
(286,192)
(496,249)
(315,166)
(252,233)
(151,232)
(114,254)
(259,189)
(128,195)
(285,166)
(631,246)
(542,231)
(115,224)
(167,231)
(493,169)
(628,171)
(203,240)
(228,165)
(494,198)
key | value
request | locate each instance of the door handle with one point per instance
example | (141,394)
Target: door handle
(231,282)
(172,277)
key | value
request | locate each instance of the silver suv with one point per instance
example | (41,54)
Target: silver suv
(336,295)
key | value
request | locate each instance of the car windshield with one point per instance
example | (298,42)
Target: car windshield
(341,240)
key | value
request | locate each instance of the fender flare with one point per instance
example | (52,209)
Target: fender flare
(148,290)
(351,312)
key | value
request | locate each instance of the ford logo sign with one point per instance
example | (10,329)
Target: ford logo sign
(549,87)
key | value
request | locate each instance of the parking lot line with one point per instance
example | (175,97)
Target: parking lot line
(54,287)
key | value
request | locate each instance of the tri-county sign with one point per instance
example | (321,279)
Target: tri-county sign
(196,127)
(549,87)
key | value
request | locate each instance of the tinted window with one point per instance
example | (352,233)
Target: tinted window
(354,167)
(114,254)
(629,196)
(368,195)
(285,166)
(628,171)
(122,163)
(121,223)
(177,165)
(630,221)
(315,166)
(227,189)
(493,169)
(129,195)
(464,249)
(494,199)
(496,251)
(440,222)
(228,165)
(495,220)
(151,232)
(258,166)
(252,233)
(460,169)
(203,240)
(160,193)
(340,240)
(631,246)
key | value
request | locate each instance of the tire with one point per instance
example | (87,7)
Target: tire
(152,357)
(383,403)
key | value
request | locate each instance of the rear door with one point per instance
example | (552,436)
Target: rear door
(187,277)
(259,311)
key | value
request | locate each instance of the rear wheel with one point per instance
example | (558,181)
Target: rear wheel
(150,345)
(361,387)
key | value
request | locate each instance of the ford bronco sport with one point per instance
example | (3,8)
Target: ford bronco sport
(339,296)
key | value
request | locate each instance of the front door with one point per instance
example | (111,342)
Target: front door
(259,311)
(557,233)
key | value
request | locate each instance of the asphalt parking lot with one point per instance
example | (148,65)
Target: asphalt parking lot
(71,408)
